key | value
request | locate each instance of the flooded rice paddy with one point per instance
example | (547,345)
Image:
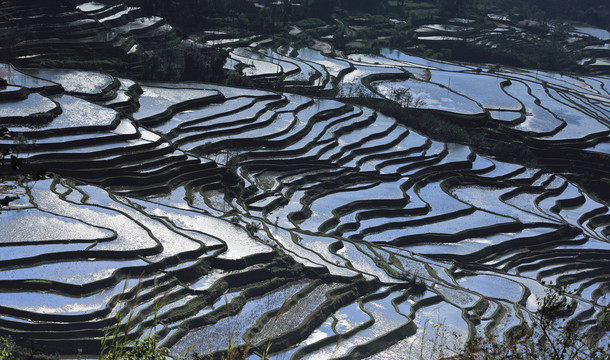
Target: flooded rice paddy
(327,229)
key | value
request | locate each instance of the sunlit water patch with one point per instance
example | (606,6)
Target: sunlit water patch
(326,229)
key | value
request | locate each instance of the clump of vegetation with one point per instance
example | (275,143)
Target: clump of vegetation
(121,348)
(146,349)
(550,338)
(18,167)
(19,157)
(253,228)
(116,344)
(7,152)
(5,349)
(9,350)
(7,200)
(405,98)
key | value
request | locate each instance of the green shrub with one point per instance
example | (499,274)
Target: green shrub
(5,349)
(146,349)
(550,338)
(116,345)
(310,23)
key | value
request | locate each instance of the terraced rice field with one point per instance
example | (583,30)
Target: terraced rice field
(326,229)
(92,34)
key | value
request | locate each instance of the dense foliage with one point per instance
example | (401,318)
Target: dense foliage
(334,17)
(594,12)
(198,13)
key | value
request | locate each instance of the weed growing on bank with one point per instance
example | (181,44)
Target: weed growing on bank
(551,337)
(116,345)
(5,351)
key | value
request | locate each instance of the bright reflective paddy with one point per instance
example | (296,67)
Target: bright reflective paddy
(327,228)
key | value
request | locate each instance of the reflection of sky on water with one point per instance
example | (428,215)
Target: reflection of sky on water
(431,95)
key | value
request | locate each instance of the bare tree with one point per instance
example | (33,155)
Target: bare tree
(405,98)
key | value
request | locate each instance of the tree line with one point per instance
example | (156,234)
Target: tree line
(275,15)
